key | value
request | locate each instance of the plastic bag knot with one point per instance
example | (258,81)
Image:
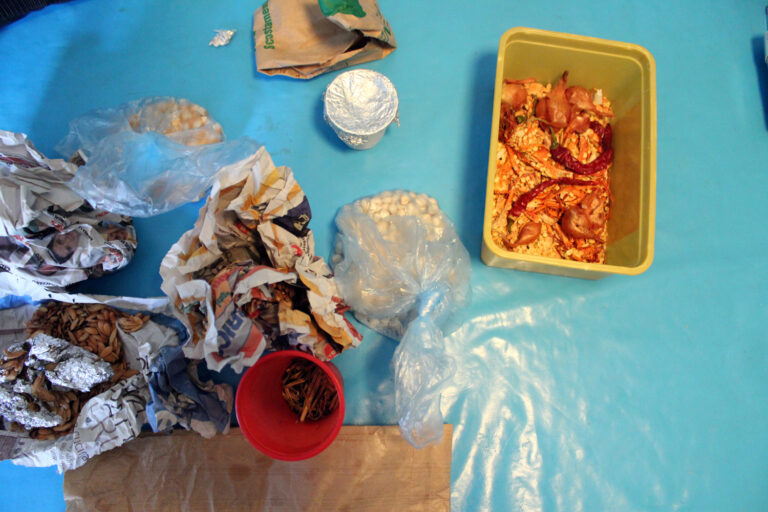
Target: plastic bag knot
(433,301)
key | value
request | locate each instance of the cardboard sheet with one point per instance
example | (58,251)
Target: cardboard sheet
(366,468)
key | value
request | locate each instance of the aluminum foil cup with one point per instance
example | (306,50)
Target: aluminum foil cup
(359,105)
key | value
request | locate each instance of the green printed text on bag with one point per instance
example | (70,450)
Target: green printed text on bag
(305,38)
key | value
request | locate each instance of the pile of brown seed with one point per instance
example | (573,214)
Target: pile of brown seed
(92,327)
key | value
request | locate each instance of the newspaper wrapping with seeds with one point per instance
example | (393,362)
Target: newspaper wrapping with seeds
(158,387)
(245,279)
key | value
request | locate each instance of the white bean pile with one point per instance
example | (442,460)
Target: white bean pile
(398,203)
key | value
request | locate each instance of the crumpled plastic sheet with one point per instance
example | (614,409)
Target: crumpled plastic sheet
(408,273)
(140,160)
(527,412)
(555,407)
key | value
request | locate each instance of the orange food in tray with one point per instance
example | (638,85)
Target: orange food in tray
(551,190)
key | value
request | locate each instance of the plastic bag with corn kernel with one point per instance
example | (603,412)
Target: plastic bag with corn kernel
(148,156)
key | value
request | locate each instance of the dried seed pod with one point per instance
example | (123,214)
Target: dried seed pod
(42,434)
(14,355)
(40,391)
(104,328)
(65,427)
(9,370)
(105,353)
(308,391)
(92,327)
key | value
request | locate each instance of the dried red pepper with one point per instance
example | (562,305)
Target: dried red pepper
(519,206)
(561,155)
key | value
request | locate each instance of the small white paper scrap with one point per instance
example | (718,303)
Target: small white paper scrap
(222,38)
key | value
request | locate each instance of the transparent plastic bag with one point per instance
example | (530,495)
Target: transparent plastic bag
(148,156)
(178,119)
(404,272)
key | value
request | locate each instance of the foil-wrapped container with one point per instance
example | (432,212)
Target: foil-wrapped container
(52,350)
(63,364)
(16,407)
(80,373)
(76,369)
(359,105)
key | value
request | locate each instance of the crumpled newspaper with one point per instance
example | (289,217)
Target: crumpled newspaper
(116,416)
(107,421)
(49,236)
(246,279)
(180,398)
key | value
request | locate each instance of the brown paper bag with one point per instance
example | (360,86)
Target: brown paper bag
(305,38)
(365,469)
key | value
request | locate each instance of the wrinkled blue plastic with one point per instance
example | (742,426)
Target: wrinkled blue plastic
(423,278)
(142,174)
(147,174)
(421,369)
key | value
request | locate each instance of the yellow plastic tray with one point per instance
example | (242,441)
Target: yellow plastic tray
(627,75)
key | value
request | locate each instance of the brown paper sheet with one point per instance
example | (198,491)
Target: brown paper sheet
(365,469)
(305,38)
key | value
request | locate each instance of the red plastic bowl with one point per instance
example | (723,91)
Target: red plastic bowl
(267,421)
